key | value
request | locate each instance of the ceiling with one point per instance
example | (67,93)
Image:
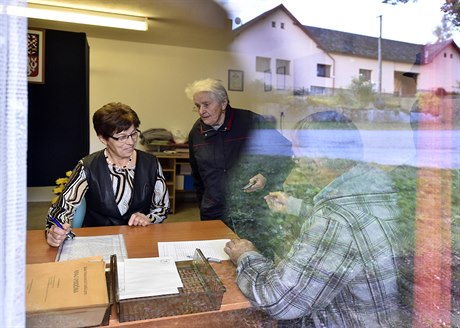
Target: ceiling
(188,23)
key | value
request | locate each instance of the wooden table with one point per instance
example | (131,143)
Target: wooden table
(236,311)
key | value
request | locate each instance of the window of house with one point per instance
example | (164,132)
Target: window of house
(280,82)
(314,90)
(263,64)
(323,70)
(365,73)
(273,24)
(302,91)
(282,67)
(451,56)
(445,55)
(282,26)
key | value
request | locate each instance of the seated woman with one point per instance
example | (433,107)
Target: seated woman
(121,185)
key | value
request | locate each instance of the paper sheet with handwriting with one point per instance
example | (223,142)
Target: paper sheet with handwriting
(104,246)
(184,250)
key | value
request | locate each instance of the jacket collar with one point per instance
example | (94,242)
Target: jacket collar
(226,126)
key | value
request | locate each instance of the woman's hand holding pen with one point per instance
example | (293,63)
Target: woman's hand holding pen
(56,235)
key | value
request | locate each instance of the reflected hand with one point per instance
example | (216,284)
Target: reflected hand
(139,219)
(256,183)
(236,247)
(277,201)
(56,235)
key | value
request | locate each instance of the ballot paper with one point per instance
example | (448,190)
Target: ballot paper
(184,250)
(104,246)
(144,277)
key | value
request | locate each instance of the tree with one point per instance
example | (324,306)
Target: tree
(362,90)
(395,2)
(450,7)
(443,32)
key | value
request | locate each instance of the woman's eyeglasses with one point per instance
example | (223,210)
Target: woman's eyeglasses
(124,138)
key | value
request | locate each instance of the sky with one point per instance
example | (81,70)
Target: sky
(413,22)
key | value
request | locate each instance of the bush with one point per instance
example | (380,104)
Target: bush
(363,91)
(428,103)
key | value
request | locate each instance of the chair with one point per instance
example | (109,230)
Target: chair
(79,214)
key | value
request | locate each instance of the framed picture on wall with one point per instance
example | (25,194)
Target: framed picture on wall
(235,80)
(36,56)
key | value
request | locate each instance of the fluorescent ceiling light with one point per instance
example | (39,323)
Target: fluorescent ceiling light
(78,16)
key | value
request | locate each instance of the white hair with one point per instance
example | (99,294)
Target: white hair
(212,86)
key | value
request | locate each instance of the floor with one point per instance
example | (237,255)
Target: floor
(36,213)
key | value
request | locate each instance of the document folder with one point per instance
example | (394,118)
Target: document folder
(74,293)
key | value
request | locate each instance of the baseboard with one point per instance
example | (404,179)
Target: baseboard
(40,194)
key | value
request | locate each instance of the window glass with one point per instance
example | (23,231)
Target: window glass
(282,66)
(263,64)
(323,70)
(365,73)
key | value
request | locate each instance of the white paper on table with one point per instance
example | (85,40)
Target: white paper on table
(88,246)
(184,250)
(144,277)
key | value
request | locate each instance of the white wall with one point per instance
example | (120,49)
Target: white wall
(152,79)
(287,43)
(442,72)
(348,67)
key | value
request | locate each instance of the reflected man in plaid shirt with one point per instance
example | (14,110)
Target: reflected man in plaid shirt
(341,270)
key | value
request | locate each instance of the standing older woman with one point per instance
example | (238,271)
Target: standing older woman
(121,185)
(230,147)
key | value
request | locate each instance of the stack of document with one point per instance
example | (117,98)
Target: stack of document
(144,277)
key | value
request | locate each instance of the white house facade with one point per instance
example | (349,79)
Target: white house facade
(277,52)
(440,67)
(280,53)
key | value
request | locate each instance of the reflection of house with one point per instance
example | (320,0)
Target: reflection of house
(440,67)
(285,55)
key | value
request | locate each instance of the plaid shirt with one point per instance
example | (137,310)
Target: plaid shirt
(341,271)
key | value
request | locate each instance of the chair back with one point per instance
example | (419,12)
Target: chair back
(79,215)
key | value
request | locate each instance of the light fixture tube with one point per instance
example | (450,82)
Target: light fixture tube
(79,16)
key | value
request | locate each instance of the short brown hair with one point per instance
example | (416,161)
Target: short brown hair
(113,118)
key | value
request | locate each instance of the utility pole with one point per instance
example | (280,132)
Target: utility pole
(380,57)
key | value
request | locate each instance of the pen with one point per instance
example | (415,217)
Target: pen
(70,234)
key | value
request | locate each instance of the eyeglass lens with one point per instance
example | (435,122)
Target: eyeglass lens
(133,136)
